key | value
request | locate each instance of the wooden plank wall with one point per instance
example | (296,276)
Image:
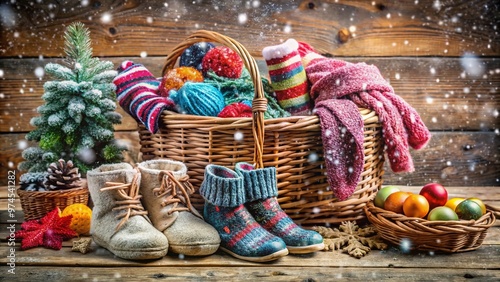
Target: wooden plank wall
(419,46)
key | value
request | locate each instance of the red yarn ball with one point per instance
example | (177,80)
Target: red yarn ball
(223,61)
(236,110)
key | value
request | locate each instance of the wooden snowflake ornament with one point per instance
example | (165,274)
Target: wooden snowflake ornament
(352,239)
(50,231)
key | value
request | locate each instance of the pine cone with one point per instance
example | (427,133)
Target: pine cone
(62,175)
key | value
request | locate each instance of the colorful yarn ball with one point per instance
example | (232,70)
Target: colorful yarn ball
(239,109)
(193,55)
(197,98)
(223,61)
(175,79)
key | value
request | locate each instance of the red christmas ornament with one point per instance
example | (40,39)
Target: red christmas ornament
(223,61)
(174,79)
(435,194)
(236,110)
(48,232)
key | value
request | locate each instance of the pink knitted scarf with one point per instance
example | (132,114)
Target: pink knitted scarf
(335,83)
(342,135)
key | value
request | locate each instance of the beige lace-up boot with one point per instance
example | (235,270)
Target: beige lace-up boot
(165,189)
(119,221)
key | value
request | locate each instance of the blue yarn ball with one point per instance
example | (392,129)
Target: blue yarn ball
(193,55)
(198,98)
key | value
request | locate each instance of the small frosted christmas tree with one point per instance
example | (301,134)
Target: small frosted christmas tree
(76,121)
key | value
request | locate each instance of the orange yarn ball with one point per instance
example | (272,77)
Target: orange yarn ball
(174,79)
(82,215)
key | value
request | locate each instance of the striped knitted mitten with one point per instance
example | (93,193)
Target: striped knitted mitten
(241,236)
(288,77)
(136,91)
(261,192)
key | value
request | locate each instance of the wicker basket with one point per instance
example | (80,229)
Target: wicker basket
(447,236)
(36,204)
(293,145)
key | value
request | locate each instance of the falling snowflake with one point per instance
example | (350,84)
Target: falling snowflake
(287,28)
(22,144)
(39,72)
(87,155)
(106,18)
(437,5)
(238,136)
(472,65)
(242,18)
(405,245)
(313,157)
(7,16)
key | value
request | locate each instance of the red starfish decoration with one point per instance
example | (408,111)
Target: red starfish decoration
(49,231)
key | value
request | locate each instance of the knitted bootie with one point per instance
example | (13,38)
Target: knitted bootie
(166,190)
(261,191)
(241,236)
(119,222)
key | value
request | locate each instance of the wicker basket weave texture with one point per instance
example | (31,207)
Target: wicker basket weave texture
(36,204)
(293,145)
(422,234)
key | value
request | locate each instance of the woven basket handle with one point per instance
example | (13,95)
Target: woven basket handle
(259,103)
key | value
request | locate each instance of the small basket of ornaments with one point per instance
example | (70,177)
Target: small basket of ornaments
(60,187)
(429,220)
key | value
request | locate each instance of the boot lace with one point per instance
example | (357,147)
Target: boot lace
(129,199)
(177,192)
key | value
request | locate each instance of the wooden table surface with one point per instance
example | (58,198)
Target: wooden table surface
(421,47)
(392,264)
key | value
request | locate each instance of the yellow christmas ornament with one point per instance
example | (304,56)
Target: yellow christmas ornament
(82,216)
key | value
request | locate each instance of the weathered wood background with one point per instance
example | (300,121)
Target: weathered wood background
(440,56)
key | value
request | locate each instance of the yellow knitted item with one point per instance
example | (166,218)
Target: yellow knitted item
(82,216)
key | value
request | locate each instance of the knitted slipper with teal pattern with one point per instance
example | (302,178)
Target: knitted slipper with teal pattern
(261,192)
(241,236)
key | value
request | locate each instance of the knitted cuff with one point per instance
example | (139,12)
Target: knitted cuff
(259,184)
(222,187)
